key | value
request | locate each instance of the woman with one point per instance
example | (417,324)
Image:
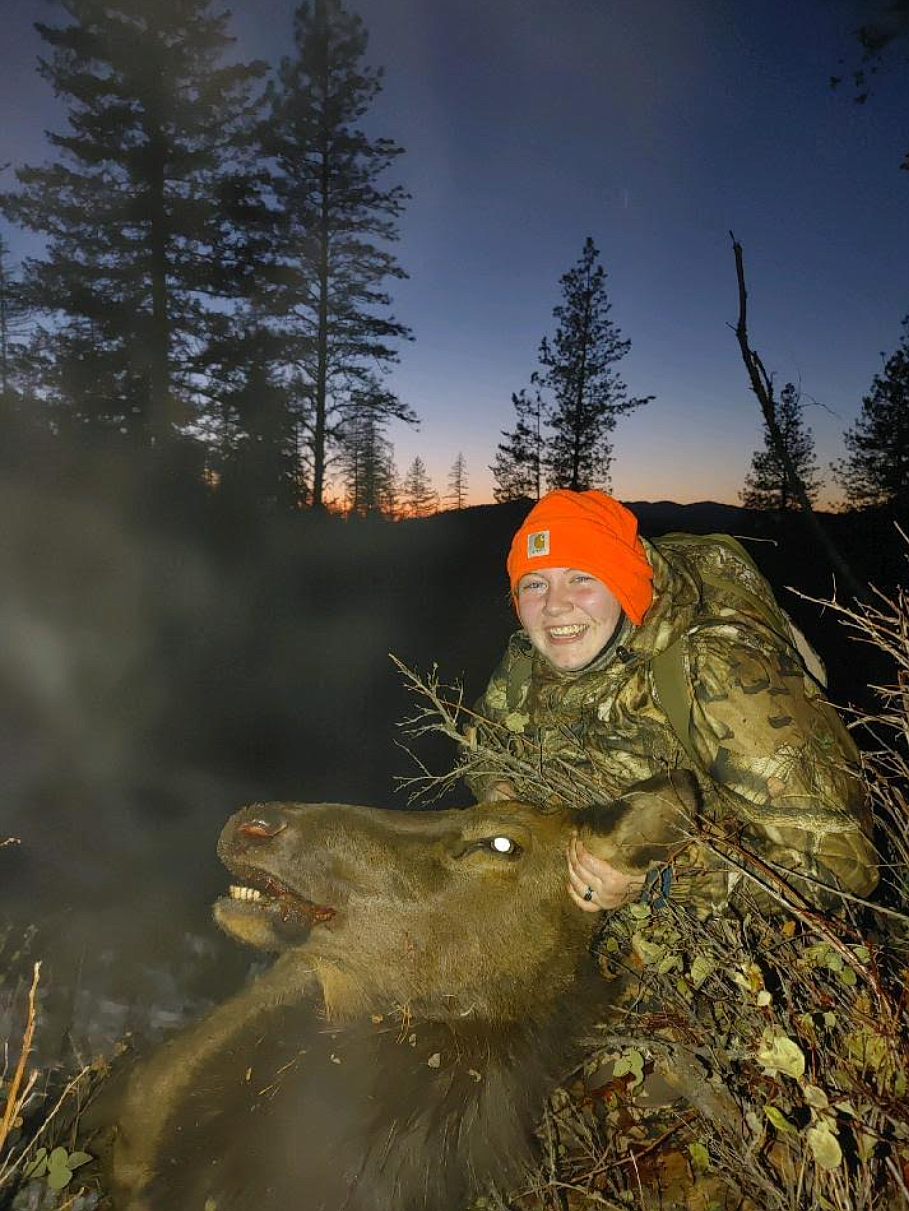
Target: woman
(598,606)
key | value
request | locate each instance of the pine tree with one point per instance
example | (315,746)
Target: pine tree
(418,497)
(256,432)
(876,469)
(518,466)
(135,211)
(331,261)
(13,319)
(767,485)
(457,482)
(578,369)
(367,456)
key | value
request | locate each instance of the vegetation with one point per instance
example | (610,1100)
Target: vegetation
(583,392)
(767,484)
(136,210)
(332,228)
(875,471)
(457,482)
(418,497)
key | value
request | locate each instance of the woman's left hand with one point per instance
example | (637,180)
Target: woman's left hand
(593,884)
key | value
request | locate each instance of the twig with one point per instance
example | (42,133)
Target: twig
(14,1101)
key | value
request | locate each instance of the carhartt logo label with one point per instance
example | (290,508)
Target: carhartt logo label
(538,543)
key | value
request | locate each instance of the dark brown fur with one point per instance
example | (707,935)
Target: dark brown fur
(398,1053)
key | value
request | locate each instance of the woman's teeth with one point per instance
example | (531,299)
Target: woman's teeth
(565,632)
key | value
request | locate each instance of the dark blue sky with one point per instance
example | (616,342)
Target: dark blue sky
(653,126)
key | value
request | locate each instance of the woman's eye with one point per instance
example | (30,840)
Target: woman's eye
(503,845)
(531,586)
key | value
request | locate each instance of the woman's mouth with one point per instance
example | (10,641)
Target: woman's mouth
(566,634)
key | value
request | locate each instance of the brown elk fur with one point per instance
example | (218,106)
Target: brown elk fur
(429,993)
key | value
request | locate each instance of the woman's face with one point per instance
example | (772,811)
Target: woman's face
(568,614)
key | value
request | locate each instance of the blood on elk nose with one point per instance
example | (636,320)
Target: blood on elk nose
(260,830)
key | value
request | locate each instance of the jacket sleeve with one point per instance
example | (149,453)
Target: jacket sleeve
(785,759)
(500,703)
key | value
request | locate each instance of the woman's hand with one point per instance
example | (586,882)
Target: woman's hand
(593,884)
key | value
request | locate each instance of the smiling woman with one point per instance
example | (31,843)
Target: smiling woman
(569,615)
(636,658)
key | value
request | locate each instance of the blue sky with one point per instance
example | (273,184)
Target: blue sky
(655,127)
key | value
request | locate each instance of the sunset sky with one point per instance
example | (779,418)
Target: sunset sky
(655,127)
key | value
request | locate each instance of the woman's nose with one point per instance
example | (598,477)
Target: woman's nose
(557,600)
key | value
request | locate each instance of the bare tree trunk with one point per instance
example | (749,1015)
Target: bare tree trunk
(762,386)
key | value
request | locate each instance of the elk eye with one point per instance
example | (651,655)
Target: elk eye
(503,845)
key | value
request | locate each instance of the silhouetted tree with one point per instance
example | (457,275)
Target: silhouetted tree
(518,466)
(255,437)
(875,470)
(136,211)
(578,369)
(13,317)
(366,456)
(767,483)
(327,283)
(457,482)
(418,497)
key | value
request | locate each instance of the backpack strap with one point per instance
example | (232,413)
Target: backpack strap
(671,685)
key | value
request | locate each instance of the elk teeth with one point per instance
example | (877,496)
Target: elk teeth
(244,893)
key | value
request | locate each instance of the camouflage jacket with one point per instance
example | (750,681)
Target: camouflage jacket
(771,750)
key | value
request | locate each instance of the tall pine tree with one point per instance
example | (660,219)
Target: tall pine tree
(518,466)
(366,456)
(767,484)
(875,470)
(418,497)
(457,482)
(587,394)
(331,260)
(136,210)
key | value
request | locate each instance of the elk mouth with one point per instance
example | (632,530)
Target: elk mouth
(287,910)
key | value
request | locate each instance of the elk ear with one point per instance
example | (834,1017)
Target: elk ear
(645,826)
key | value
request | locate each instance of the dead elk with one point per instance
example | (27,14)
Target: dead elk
(432,984)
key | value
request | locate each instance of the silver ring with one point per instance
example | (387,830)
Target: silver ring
(588,894)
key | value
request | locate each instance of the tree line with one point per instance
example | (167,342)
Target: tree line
(214,285)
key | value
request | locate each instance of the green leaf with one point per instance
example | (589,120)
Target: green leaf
(764,998)
(825,1147)
(639,911)
(37,1166)
(701,968)
(862,953)
(650,952)
(815,1097)
(77,1159)
(59,1176)
(780,1054)
(57,1157)
(516,721)
(847,977)
(700,1157)
(829,1019)
(670,962)
(779,1120)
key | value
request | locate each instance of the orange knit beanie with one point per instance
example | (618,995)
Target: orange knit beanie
(591,532)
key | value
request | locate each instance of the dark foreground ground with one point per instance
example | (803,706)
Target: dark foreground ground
(164,663)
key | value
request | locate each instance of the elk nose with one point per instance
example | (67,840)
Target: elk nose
(261,827)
